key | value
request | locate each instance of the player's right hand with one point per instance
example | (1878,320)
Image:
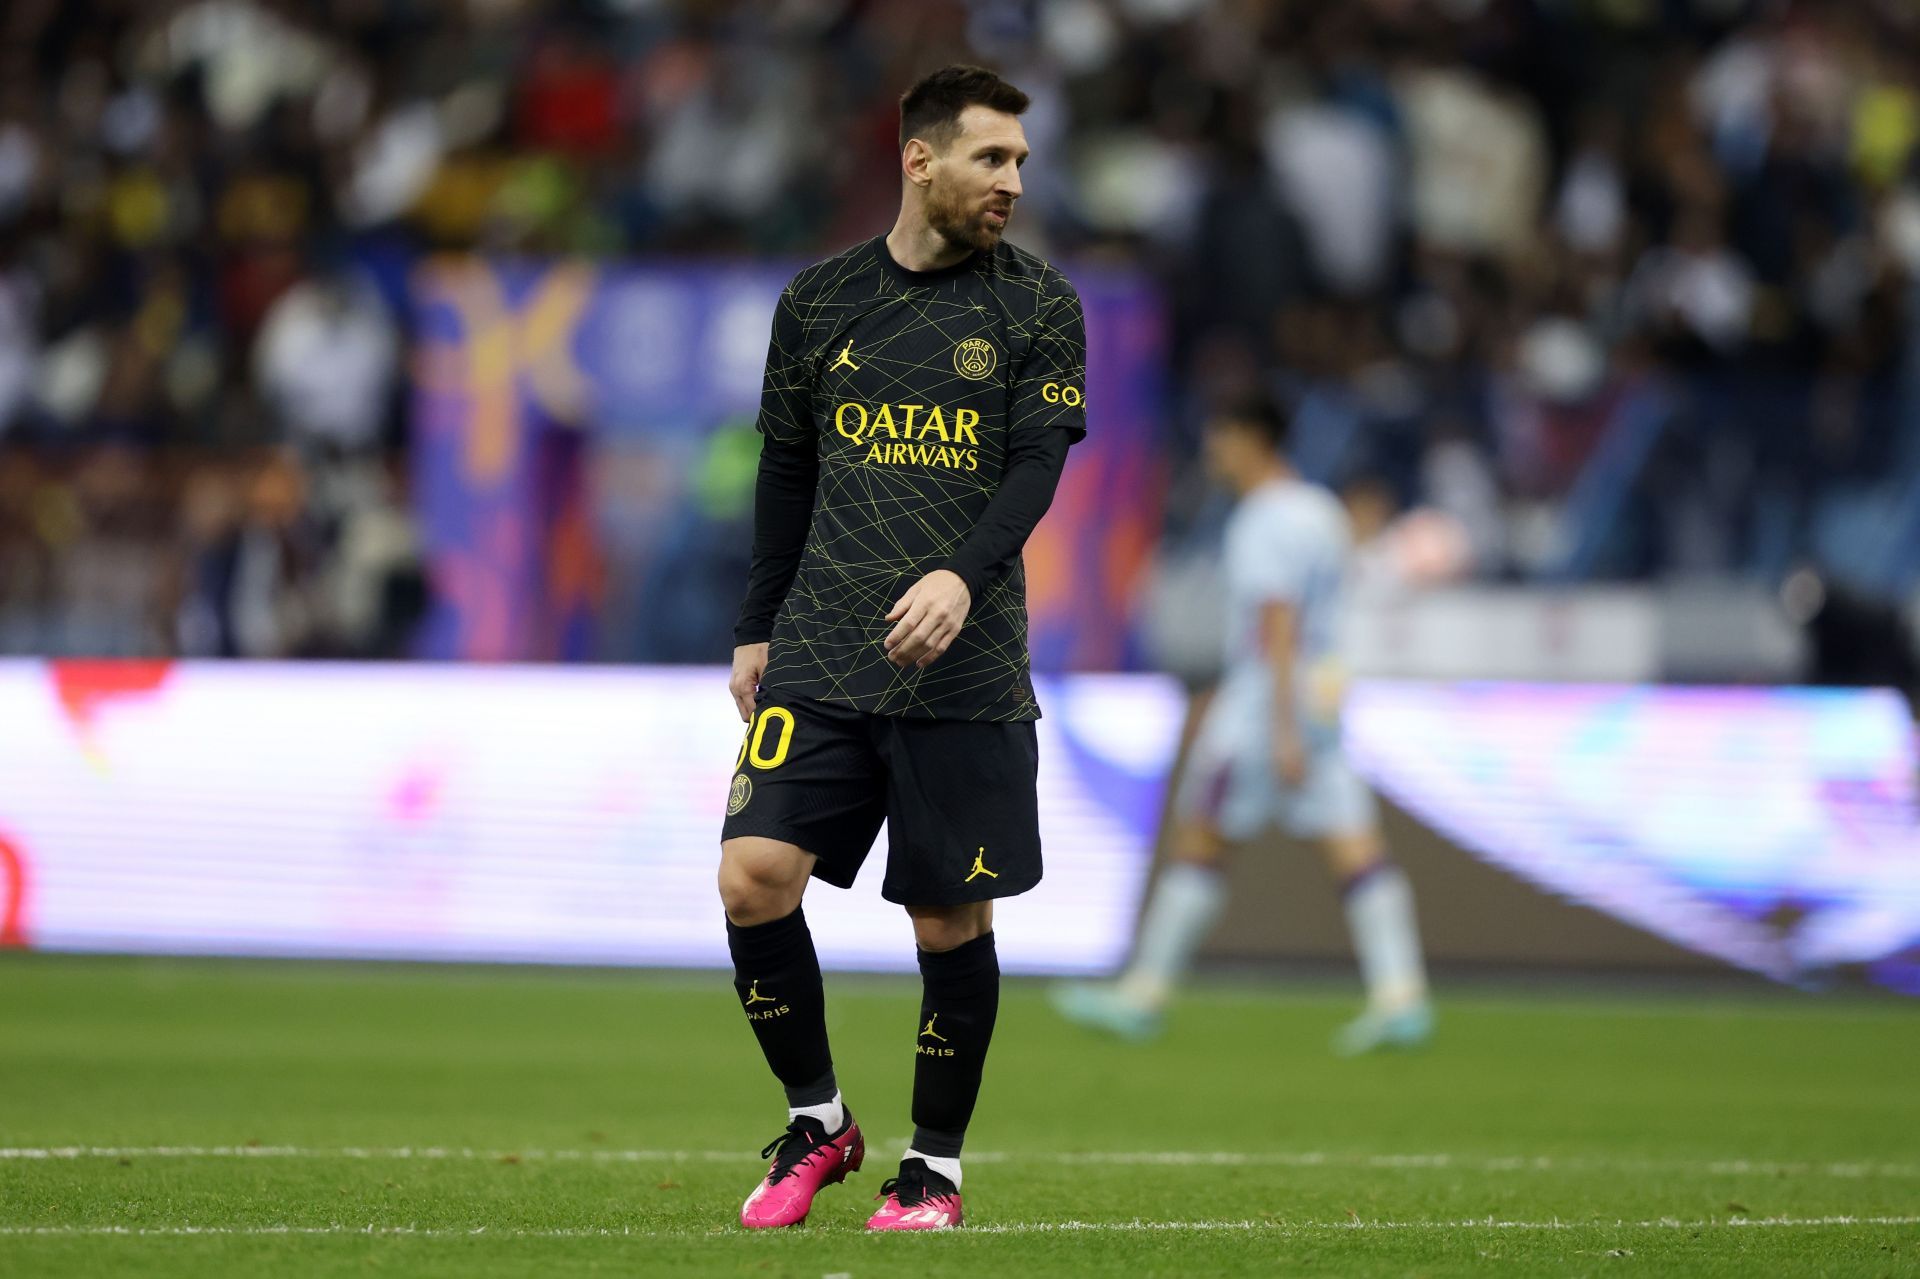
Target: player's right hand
(928,616)
(749,664)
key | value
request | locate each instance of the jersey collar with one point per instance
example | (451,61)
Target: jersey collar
(905,276)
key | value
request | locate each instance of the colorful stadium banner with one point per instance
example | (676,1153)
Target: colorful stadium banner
(539,814)
(571,815)
(1775,829)
(585,458)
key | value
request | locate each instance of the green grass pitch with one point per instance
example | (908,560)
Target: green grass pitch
(227,1118)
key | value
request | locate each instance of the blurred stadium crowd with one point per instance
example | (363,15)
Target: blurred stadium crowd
(1622,288)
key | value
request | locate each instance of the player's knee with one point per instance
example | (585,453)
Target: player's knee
(1197,845)
(758,886)
(751,898)
(1207,856)
(938,928)
(1352,853)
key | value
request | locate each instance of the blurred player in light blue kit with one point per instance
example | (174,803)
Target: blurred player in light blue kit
(1268,752)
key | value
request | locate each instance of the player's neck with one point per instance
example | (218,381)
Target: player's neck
(1260,477)
(918,247)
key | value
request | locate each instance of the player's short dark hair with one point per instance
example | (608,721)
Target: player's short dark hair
(931,109)
(1258,413)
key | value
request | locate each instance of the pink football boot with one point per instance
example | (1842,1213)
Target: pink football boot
(918,1199)
(805,1159)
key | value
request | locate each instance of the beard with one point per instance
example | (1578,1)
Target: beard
(961,226)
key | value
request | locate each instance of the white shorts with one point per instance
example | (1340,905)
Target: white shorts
(1230,783)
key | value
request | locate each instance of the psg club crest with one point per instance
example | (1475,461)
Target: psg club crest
(742,792)
(975,358)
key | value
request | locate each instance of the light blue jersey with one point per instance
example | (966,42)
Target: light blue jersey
(1287,543)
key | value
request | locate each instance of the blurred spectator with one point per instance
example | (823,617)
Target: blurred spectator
(19,344)
(1478,161)
(326,361)
(250,590)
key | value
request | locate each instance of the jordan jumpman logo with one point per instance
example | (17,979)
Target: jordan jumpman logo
(980,868)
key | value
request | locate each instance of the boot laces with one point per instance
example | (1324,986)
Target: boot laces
(791,1148)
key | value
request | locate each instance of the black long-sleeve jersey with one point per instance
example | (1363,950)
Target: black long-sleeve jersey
(911,421)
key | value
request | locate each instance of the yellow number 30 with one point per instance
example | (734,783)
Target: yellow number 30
(751,744)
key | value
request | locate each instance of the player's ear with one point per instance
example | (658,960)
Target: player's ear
(916,162)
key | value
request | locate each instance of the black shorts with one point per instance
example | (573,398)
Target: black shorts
(959,797)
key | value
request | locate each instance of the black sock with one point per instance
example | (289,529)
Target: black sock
(777,974)
(960,1000)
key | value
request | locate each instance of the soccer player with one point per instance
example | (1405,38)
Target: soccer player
(921,392)
(1268,752)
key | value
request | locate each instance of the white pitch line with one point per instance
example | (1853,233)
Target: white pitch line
(1173,1158)
(1279,1228)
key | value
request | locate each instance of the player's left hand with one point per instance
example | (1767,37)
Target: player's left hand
(1289,758)
(927,618)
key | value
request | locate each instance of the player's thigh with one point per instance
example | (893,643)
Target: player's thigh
(1333,807)
(1225,793)
(963,810)
(806,776)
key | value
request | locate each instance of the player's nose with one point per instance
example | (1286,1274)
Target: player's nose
(1009,183)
